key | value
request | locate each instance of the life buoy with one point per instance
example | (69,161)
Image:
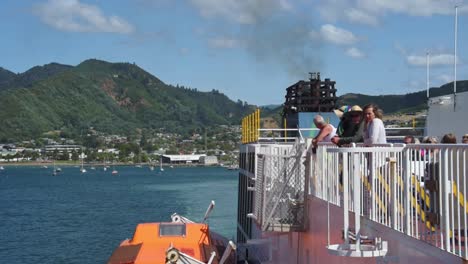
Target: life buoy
(176,219)
(172,256)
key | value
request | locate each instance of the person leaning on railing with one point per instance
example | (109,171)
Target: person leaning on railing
(326,133)
(374,132)
(351,127)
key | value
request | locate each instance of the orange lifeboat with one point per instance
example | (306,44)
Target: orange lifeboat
(179,241)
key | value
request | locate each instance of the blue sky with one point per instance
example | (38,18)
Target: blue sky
(248,49)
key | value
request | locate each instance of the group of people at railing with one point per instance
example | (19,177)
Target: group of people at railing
(356,125)
(449,138)
(359,125)
(423,186)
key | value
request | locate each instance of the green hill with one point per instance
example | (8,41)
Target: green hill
(27,78)
(401,103)
(6,76)
(111,97)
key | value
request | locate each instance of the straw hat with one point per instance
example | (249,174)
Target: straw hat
(355,108)
(340,111)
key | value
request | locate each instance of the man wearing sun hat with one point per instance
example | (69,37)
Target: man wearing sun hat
(342,114)
(351,127)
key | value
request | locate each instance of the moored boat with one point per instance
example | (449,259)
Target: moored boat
(178,241)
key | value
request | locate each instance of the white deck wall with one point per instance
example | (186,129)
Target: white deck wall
(443,118)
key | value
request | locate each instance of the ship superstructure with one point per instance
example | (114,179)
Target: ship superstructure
(390,203)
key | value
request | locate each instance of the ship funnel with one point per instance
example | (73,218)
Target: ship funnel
(208,211)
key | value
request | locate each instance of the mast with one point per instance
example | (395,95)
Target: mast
(455,61)
(427,73)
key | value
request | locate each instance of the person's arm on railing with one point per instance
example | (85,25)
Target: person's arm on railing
(358,137)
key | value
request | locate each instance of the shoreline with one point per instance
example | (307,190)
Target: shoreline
(74,164)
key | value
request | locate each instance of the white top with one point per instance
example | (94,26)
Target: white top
(331,135)
(375,133)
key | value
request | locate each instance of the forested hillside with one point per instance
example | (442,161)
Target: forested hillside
(110,97)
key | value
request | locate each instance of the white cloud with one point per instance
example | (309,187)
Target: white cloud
(243,12)
(224,43)
(337,35)
(368,11)
(74,16)
(361,17)
(355,53)
(445,78)
(435,60)
(417,84)
(413,8)
(332,10)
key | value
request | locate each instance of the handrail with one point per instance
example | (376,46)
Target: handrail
(281,134)
(417,189)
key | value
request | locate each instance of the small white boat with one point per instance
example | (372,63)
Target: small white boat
(56,170)
(115,172)
(1,168)
(160,164)
(105,169)
(82,170)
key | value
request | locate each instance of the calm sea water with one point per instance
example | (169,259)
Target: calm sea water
(82,218)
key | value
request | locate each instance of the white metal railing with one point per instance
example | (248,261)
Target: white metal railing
(281,135)
(419,190)
(280,188)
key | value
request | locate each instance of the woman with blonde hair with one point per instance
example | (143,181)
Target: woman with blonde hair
(374,132)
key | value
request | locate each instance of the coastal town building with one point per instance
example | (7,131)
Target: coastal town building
(209,160)
(180,159)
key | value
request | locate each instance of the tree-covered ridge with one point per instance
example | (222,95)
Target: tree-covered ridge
(35,74)
(6,76)
(110,97)
(402,103)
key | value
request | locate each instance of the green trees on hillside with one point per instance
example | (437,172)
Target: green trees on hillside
(114,98)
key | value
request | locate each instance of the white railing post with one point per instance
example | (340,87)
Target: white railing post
(407,190)
(445,199)
(345,197)
(393,179)
(357,200)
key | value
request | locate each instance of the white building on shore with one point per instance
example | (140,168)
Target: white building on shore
(209,160)
(182,159)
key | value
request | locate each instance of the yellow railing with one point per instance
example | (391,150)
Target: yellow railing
(250,127)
